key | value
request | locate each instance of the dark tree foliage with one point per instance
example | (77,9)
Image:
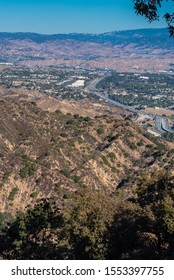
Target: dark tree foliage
(87,222)
(31,234)
(156,196)
(150,10)
(131,235)
(144,229)
(97,225)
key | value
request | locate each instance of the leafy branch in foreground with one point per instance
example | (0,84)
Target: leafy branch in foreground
(150,10)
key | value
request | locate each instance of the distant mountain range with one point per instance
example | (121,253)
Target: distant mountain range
(152,37)
(118,50)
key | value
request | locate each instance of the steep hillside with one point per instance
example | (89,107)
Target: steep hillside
(46,154)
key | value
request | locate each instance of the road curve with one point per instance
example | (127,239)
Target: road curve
(161,123)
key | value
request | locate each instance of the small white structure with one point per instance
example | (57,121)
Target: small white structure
(78,83)
(154,133)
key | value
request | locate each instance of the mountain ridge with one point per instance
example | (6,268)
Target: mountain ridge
(132,50)
(111,37)
(164,30)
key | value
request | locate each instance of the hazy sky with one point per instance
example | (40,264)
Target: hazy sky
(67,16)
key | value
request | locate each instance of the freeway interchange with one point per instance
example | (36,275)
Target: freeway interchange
(161,122)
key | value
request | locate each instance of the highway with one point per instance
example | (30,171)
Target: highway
(92,88)
(161,123)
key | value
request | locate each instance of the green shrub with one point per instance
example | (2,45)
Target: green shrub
(131,145)
(66,173)
(53,140)
(111,156)
(27,170)
(26,157)
(64,135)
(76,116)
(114,170)
(86,119)
(100,130)
(23,172)
(105,161)
(57,186)
(70,122)
(12,194)
(34,194)
(38,180)
(58,112)
(6,175)
(140,143)
(67,196)
(71,144)
(76,178)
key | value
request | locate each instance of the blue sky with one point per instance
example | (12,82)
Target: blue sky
(68,16)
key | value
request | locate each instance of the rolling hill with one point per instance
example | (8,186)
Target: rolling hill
(119,50)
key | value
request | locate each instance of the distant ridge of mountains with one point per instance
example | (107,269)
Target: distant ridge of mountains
(140,50)
(150,37)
